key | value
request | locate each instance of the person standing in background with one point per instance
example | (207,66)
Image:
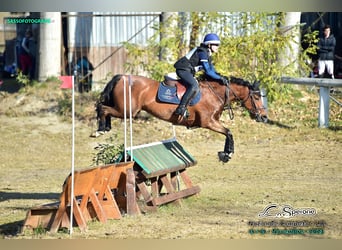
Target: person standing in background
(24,53)
(326,49)
(28,55)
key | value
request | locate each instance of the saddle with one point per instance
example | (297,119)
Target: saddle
(171,90)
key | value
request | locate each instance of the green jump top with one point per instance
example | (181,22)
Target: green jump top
(161,157)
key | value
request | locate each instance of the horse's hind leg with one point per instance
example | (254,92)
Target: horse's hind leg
(104,121)
(108,124)
(104,114)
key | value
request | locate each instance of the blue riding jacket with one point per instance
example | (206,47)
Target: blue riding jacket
(198,59)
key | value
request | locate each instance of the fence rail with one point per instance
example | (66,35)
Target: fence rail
(324,85)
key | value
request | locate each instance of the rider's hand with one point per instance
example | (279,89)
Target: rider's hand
(225,80)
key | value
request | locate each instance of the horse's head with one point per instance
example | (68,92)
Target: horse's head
(256,102)
(251,97)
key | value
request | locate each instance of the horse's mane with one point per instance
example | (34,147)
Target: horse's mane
(232,79)
(239,81)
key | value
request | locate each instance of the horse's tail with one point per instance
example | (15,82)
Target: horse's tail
(106,98)
(107,93)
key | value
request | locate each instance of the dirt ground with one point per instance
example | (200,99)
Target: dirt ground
(286,162)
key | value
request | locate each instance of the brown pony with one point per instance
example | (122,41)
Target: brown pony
(206,113)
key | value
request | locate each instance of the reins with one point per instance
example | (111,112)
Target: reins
(215,93)
(226,104)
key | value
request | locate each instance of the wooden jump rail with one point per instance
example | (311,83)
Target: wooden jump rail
(159,169)
(101,192)
(324,85)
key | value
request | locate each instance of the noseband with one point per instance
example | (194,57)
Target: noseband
(256,111)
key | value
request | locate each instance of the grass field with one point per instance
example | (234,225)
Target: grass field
(286,162)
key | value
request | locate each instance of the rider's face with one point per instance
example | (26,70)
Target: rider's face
(214,48)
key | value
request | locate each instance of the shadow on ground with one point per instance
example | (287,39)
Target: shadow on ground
(11,229)
(278,124)
(29,196)
(335,128)
(9,85)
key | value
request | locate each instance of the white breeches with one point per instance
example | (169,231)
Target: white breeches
(328,64)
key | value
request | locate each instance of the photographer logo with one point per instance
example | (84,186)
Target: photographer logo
(285,211)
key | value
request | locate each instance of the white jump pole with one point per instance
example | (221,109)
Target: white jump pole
(72,156)
(130,115)
(125,119)
(174,131)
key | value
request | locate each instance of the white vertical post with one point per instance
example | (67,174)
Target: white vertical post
(125,120)
(72,156)
(264,99)
(49,37)
(323,114)
(130,114)
(174,131)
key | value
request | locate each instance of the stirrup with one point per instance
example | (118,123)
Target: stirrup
(186,114)
(182,111)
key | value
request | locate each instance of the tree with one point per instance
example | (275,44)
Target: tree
(291,27)
(169,21)
(50,46)
(195,28)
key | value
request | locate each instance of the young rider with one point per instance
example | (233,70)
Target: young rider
(197,59)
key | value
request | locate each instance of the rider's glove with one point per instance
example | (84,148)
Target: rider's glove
(225,80)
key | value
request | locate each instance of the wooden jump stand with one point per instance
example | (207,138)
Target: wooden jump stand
(102,193)
(160,170)
(155,176)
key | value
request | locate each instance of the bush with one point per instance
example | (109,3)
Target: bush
(108,152)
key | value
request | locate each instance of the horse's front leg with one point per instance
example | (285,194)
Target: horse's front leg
(228,152)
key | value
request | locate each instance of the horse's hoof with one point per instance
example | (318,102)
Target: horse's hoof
(98,133)
(224,156)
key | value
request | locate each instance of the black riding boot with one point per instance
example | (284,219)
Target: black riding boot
(182,108)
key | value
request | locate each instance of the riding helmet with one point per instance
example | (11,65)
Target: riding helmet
(211,38)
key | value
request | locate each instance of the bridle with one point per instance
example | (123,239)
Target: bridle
(251,95)
(226,103)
